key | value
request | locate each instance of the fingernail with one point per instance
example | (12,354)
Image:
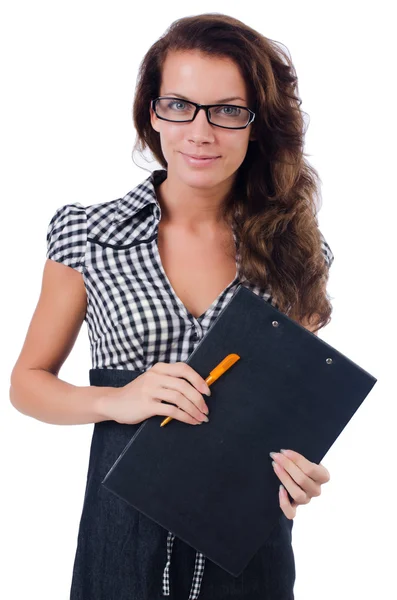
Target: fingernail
(283,450)
(207,391)
(271,454)
(206,419)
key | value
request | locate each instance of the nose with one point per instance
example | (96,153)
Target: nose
(200,128)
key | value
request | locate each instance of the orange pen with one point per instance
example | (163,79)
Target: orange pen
(223,366)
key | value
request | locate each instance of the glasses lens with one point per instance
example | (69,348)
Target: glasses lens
(229,116)
(175,110)
(225,115)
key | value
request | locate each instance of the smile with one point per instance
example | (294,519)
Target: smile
(199,161)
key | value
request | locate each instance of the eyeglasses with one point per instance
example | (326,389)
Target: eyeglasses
(228,116)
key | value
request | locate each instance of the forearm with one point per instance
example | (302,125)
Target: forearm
(43,396)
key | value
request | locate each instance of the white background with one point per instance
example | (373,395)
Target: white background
(68,75)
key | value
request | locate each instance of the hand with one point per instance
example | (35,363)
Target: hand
(148,394)
(300,477)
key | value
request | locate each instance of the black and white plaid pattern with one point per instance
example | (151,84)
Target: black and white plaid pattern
(197,574)
(134,318)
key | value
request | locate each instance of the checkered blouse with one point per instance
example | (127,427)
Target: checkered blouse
(134,318)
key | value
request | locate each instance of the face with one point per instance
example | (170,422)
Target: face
(205,80)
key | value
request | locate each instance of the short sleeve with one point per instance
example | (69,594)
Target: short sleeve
(329,256)
(67,236)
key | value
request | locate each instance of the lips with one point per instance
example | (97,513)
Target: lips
(199,157)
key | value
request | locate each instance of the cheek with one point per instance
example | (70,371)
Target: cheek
(235,149)
(171,140)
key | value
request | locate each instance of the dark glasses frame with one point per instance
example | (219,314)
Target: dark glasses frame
(206,108)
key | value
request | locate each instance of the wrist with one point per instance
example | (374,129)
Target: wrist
(103,403)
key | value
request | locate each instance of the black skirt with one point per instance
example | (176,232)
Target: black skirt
(121,553)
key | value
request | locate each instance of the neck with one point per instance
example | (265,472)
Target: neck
(192,207)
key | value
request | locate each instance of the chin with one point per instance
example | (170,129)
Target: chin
(200,177)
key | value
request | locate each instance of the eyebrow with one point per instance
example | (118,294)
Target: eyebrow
(218,102)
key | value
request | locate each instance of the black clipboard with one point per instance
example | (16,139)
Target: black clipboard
(213,485)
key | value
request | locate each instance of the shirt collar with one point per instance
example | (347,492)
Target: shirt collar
(142,195)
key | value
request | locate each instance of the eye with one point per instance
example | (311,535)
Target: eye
(178,102)
(229,110)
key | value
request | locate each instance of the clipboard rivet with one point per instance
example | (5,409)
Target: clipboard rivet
(329,361)
(275,323)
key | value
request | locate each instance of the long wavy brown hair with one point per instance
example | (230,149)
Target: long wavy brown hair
(276,194)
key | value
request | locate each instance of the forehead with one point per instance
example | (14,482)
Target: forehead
(201,77)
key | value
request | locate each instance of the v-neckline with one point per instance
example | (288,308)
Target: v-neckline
(173,292)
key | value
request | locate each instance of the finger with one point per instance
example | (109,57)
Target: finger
(181,402)
(181,369)
(285,504)
(184,387)
(295,491)
(310,487)
(317,473)
(170,410)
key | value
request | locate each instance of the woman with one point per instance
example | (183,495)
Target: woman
(234,204)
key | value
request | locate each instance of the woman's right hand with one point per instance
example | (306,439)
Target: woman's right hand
(144,396)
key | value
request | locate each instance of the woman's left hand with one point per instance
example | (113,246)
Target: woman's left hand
(302,479)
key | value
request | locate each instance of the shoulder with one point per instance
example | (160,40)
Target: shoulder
(71,226)
(74,218)
(67,215)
